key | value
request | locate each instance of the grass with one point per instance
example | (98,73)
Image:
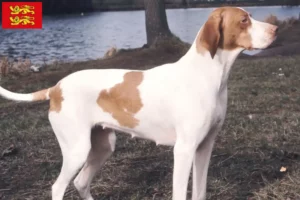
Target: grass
(18,66)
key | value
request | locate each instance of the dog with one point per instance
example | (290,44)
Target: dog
(182,104)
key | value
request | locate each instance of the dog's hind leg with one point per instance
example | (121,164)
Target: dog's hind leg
(75,144)
(103,145)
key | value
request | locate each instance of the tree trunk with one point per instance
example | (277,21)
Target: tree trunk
(185,3)
(156,22)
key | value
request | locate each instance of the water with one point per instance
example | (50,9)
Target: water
(76,37)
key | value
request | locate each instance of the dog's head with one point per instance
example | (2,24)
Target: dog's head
(230,28)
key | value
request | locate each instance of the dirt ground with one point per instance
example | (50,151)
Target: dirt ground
(259,137)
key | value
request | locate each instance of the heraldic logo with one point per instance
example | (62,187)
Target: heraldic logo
(21,15)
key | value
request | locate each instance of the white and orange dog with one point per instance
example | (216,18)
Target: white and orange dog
(181,104)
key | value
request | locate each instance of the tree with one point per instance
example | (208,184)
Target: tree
(185,3)
(157,27)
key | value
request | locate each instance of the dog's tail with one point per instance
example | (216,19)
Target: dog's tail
(41,95)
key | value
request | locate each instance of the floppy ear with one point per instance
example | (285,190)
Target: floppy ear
(209,38)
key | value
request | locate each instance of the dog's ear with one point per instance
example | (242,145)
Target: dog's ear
(210,34)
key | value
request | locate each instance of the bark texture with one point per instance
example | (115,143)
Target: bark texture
(157,27)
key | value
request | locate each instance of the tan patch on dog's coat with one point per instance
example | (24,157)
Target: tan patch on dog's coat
(40,95)
(56,98)
(123,100)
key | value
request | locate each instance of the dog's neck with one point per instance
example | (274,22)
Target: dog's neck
(225,59)
(222,62)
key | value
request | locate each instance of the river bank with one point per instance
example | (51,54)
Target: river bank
(84,41)
(287,44)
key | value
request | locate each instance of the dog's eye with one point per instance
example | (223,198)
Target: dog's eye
(244,20)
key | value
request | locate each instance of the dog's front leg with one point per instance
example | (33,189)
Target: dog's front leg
(200,165)
(183,159)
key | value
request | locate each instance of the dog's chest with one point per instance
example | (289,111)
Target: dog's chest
(220,109)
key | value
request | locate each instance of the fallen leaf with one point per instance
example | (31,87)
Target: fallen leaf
(283,169)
